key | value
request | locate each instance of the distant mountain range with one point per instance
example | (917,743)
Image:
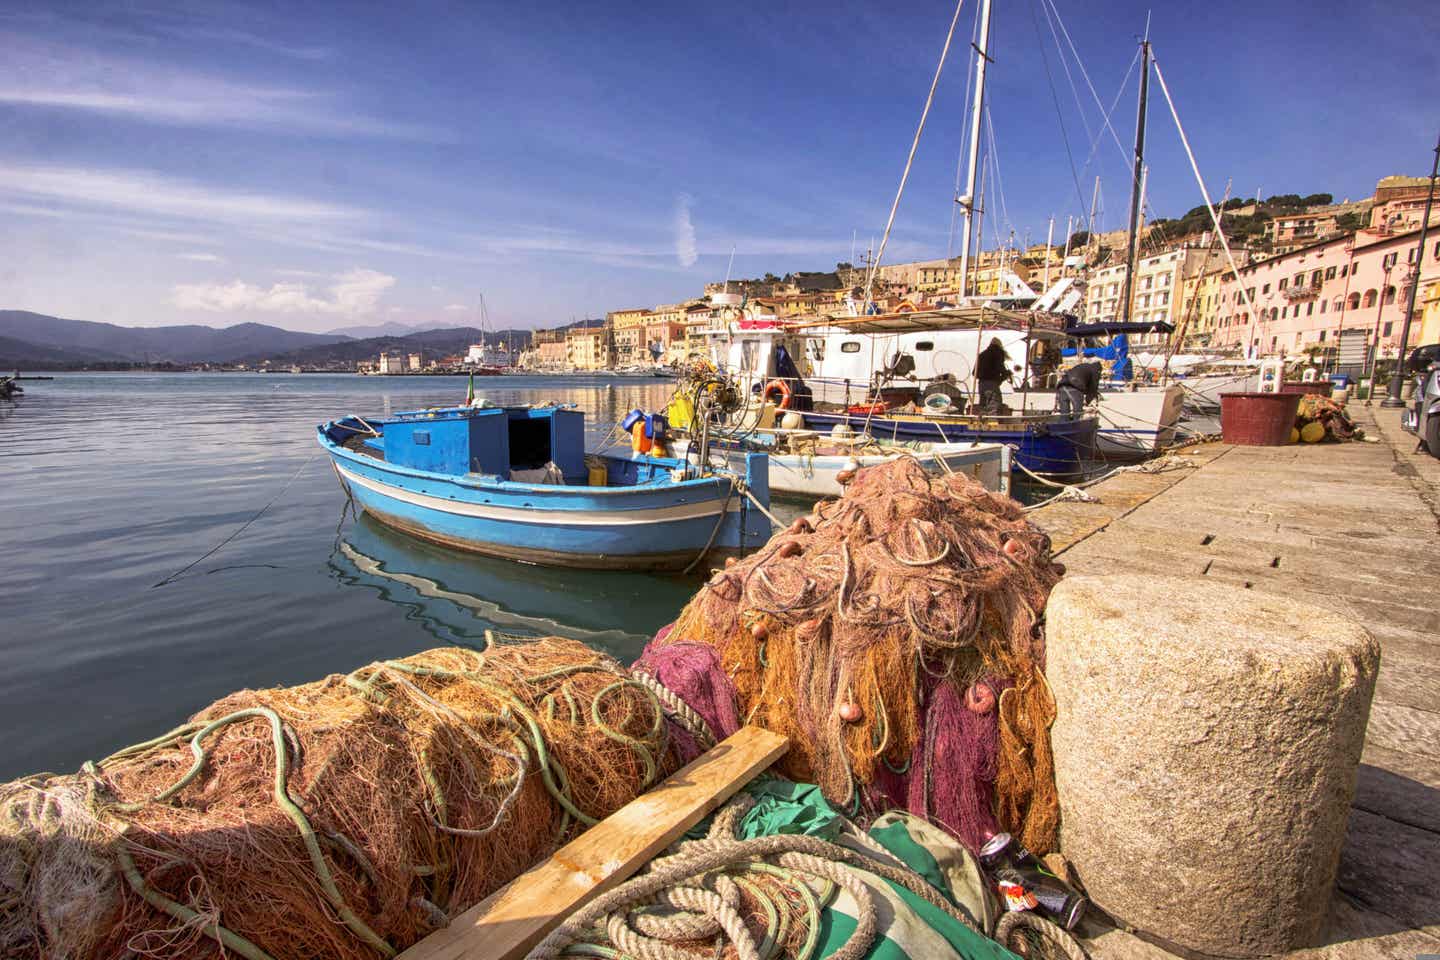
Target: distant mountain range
(36,341)
(390,329)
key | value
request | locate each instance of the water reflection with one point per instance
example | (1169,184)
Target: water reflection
(456,596)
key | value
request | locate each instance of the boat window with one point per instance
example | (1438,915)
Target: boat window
(750,355)
(850,346)
(925,345)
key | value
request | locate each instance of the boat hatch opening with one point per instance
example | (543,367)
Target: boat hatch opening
(529,443)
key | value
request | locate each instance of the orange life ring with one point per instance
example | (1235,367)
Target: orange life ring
(785,393)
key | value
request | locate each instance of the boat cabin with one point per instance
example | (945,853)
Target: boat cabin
(511,443)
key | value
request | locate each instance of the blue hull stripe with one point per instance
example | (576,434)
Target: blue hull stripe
(569,518)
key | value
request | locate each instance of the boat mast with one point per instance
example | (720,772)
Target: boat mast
(1137,187)
(967,201)
(1049,241)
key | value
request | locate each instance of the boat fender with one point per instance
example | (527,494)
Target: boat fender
(631,418)
(851,712)
(792,420)
(778,386)
(841,431)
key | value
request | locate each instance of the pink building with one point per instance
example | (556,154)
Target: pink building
(1305,297)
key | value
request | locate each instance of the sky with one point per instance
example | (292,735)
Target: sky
(317,166)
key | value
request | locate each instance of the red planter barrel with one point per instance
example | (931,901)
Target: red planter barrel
(1299,388)
(1258,419)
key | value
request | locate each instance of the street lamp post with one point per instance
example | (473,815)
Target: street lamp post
(1397,379)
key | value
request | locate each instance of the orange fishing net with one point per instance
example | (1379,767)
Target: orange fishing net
(835,632)
(344,818)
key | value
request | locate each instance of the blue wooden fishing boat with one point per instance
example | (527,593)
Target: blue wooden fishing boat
(516,482)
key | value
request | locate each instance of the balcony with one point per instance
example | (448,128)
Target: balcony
(1300,293)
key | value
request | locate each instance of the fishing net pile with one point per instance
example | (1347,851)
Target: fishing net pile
(1320,418)
(345,818)
(894,636)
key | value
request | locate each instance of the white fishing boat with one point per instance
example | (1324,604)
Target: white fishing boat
(808,463)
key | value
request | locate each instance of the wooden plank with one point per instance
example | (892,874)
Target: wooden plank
(509,923)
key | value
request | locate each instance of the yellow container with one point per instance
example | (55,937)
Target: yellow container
(597,475)
(680,412)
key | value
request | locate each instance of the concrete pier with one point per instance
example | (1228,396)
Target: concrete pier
(1353,528)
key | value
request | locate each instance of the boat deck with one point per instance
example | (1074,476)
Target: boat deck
(1353,527)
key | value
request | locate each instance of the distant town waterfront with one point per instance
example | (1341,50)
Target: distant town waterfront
(114,482)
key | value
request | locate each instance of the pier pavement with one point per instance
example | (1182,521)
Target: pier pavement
(1353,527)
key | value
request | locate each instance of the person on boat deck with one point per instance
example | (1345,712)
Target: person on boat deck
(1078,386)
(991,370)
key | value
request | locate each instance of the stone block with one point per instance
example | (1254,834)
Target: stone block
(1206,745)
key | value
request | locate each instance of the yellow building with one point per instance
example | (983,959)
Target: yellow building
(586,348)
(1429,331)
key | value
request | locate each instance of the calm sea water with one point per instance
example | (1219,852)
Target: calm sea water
(111,483)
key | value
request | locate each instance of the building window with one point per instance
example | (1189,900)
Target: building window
(1316,277)
(1354,303)
(1330,274)
(850,346)
(1309,308)
(1284,283)
(1389,325)
(1266,288)
(1370,297)
(1345,270)
(1322,305)
(1283,312)
(1435,255)
(1322,336)
(1389,295)
(1164,279)
(925,345)
(1410,255)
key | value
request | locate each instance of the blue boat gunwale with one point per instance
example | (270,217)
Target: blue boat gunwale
(493,482)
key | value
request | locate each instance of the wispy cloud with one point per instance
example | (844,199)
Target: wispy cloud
(61,77)
(685,250)
(354,292)
(456,307)
(245,38)
(201,257)
(148,193)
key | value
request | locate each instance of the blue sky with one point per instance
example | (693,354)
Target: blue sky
(318,166)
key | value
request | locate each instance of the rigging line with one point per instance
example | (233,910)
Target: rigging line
(1074,92)
(1086,74)
(914,145)
(1204,193)
(964,141)
(1095,140)
(998,189)
(1055,99)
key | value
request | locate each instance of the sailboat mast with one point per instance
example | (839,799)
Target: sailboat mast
(1137,186)
(967,202)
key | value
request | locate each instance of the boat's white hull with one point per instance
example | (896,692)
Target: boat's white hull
(1203,392)
(1136,422)
(817,476)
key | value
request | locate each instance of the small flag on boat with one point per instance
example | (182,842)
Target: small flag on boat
(470,392)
